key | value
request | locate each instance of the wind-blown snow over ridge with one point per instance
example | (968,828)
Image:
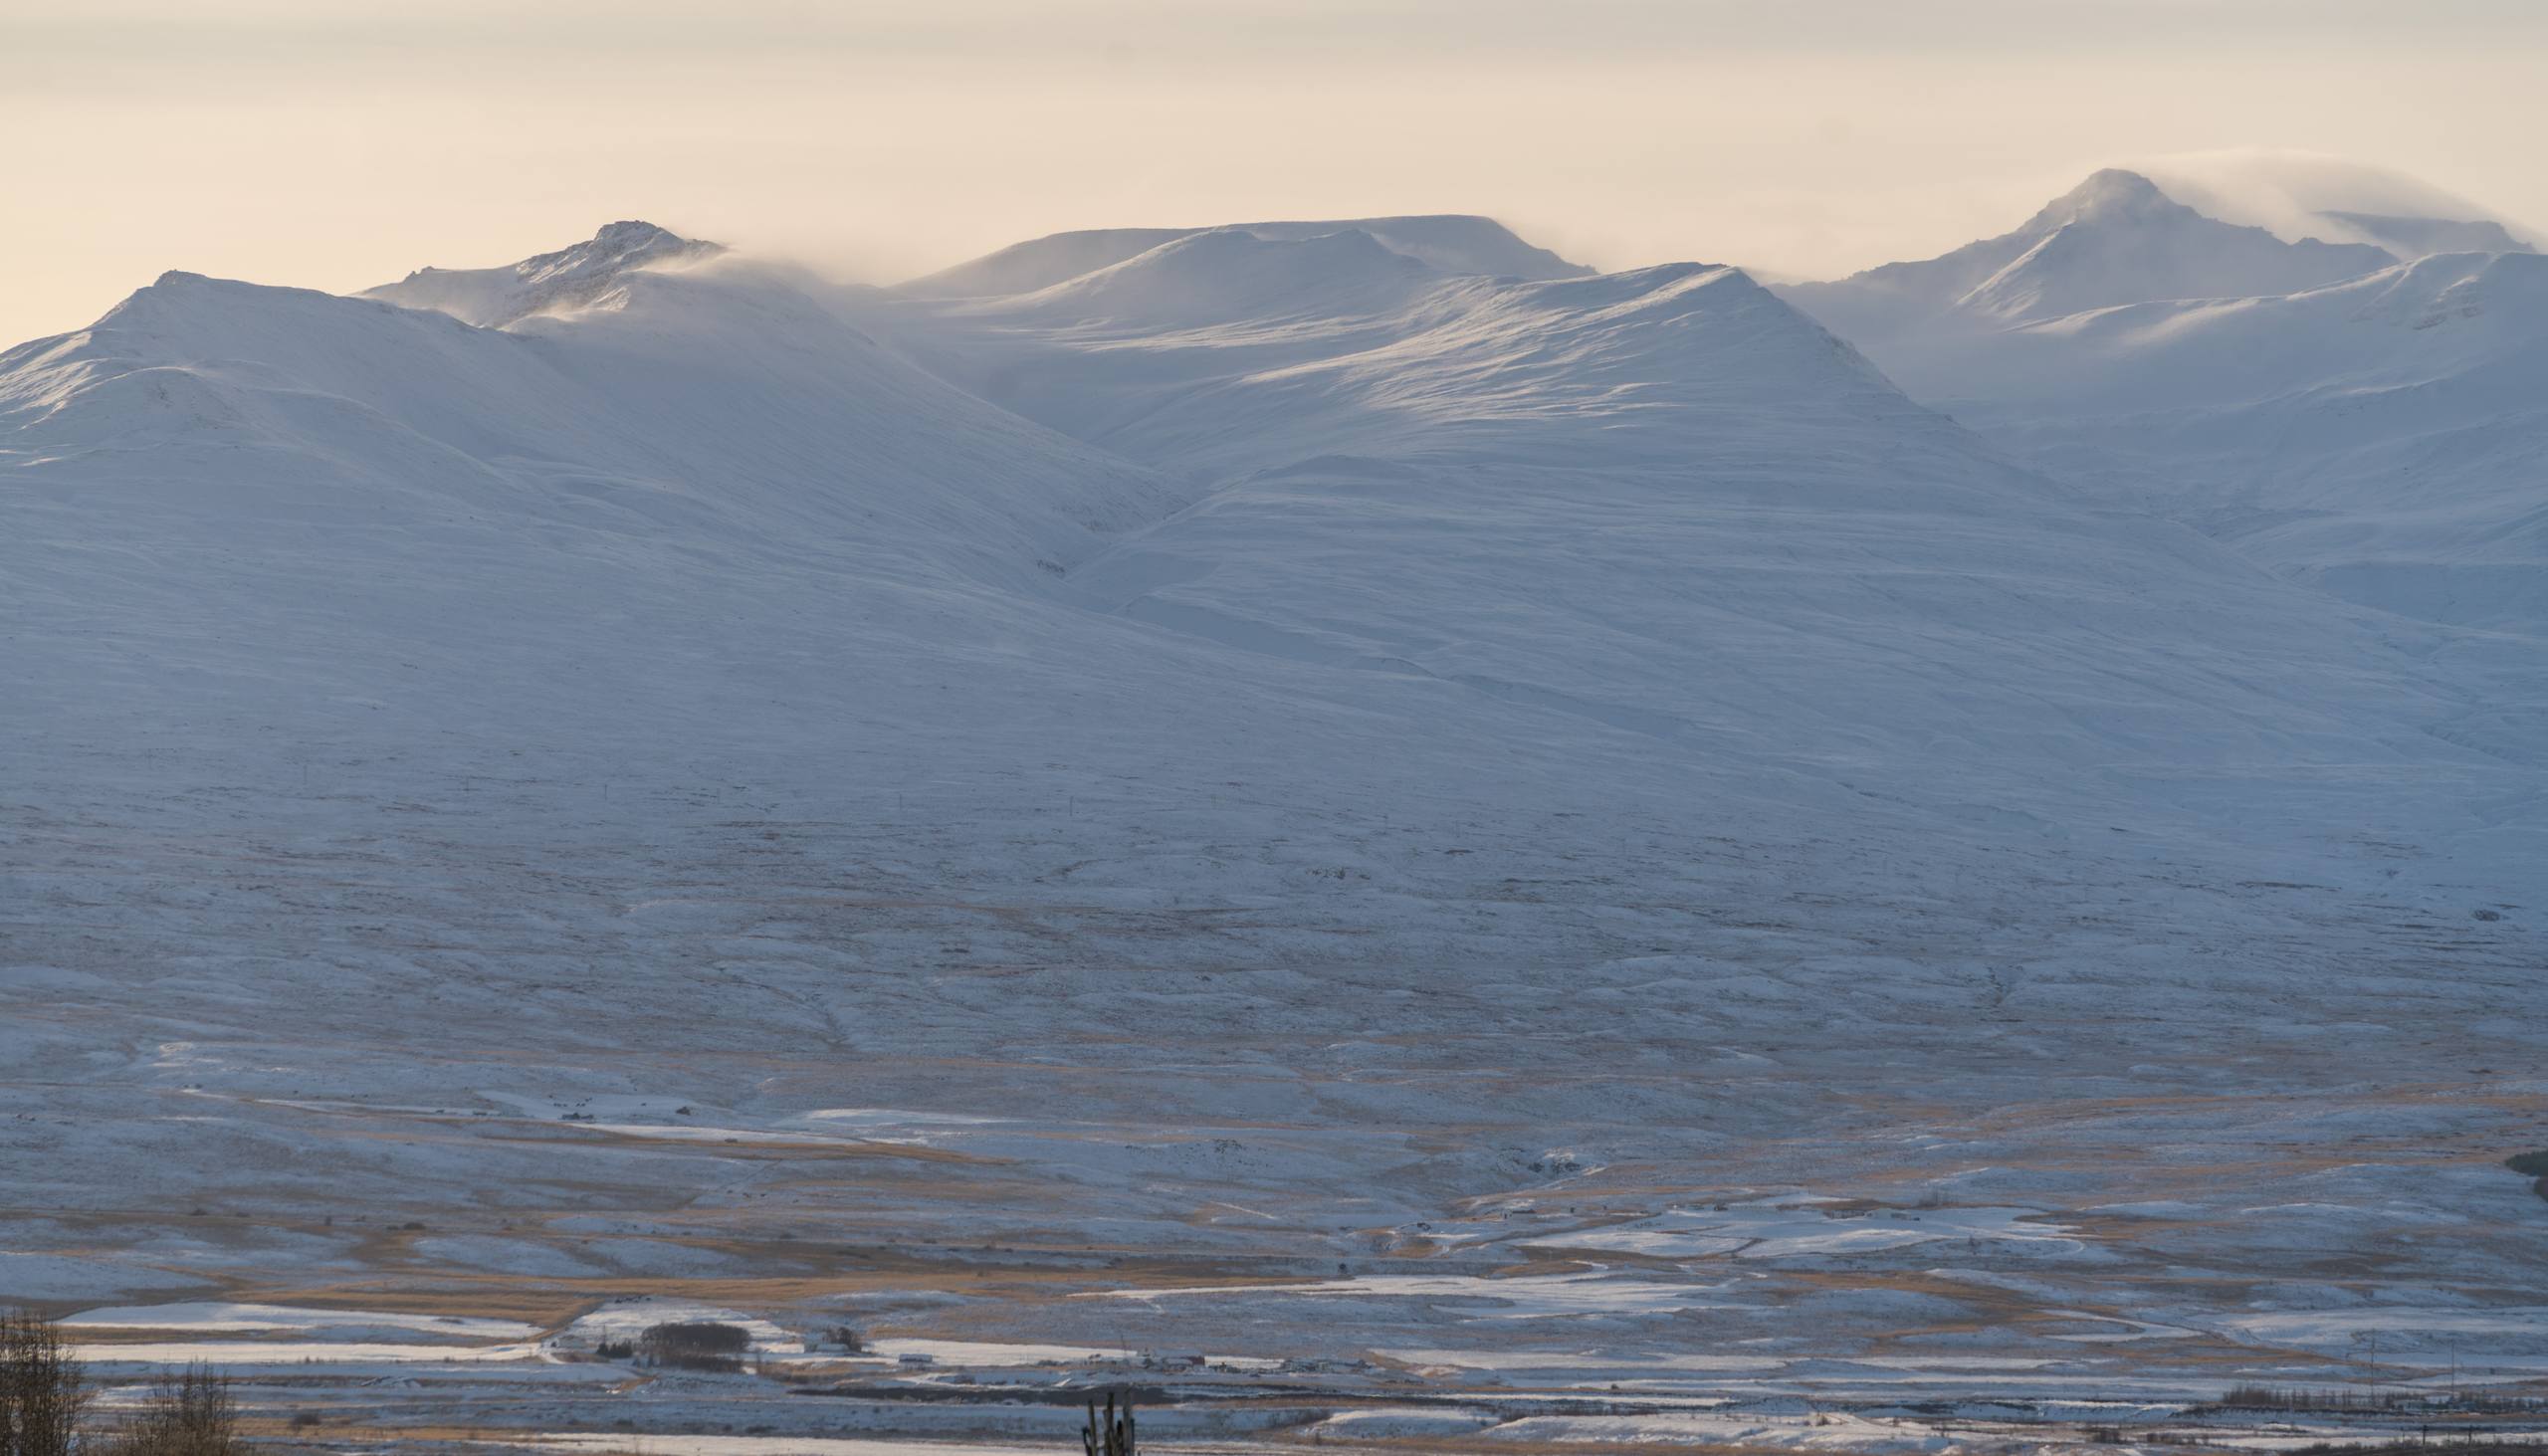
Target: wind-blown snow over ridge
(568,278)
(2377,436)
(2299,195)
(1230,274)
(1451,243)
(2115,239)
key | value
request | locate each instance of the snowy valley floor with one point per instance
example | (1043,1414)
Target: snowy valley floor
(1947,1137)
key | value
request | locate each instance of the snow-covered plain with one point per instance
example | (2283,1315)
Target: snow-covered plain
(1245,791)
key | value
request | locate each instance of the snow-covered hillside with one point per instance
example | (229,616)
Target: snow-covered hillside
(2116,238)
(1249,751)
(1564,493)
(567,279)
(2385,439)
(299,509)
(1452,243)
(2380,437)
(2300,194)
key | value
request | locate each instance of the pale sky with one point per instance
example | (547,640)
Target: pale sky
(335,144)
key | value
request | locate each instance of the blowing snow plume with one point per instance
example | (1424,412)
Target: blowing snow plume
(2302,194)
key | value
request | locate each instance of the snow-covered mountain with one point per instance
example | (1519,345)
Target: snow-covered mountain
(709,433)
(2411,238)
(567,279)
(1232,274)
(2298,196)
(1290,741)
(1451,243)
(1354,420)
(2379,436)
(2386,437)
(300,508)
(1223,351)
(2115,239)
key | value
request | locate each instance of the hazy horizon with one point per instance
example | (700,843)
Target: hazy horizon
(283,141)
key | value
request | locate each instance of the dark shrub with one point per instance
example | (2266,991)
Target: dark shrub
(191,1414)
(695,1344)
(42,1393)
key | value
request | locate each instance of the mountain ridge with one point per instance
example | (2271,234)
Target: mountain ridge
(569,277)
(1450,242)
(2116,238)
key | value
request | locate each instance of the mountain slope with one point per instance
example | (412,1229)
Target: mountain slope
(1224,351)
(2372,433)
(2115,239)
(1229,275)
(734,380)
(568,278)
(1511,432)
(502,531)
(2299,195)
(2384,438)
(2421,236)
(1451,243)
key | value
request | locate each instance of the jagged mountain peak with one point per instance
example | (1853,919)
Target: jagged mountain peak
(2116,238)
(2110,194)
(636,229)
(569,277)
(617,245)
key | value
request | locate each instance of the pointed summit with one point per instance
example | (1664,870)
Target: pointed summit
(568,278)
(622,245)
(2110,195)
(2116,238)
(636,230)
